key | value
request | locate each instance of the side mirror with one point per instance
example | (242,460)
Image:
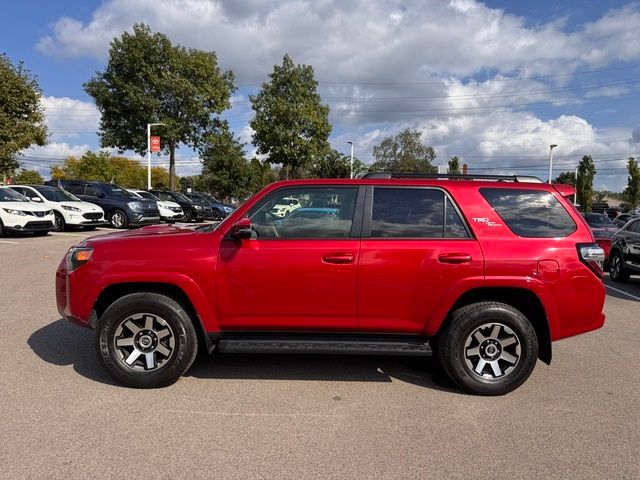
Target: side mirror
(35,199)
(101,195)
(241,229)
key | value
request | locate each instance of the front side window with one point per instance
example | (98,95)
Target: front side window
(530,213)
(414,213)
(305,213)
(92,191)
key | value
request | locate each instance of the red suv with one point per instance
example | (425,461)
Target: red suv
(484,272)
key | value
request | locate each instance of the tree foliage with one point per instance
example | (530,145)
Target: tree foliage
(291,125)
(22,120)
(632,192)
(148,80)
(28,177)
(335,165)
(584,187)
(102,167)
(567,178)
(404,152)
(454,166)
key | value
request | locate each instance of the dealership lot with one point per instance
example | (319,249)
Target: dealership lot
(279,416)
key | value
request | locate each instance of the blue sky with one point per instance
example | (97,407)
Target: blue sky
(494,83)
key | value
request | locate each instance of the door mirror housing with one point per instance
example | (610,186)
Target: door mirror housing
(241,229)
(35,199)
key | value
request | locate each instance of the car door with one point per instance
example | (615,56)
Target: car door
(632,240)
(296,275)
(415,249)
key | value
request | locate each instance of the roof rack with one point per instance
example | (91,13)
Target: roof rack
(452,176)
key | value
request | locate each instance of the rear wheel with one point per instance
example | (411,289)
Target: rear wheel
(118,219)
(488,348)
(58,223)
(146,340)
(617,272)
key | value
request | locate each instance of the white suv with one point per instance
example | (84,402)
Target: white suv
(285,206)
(19,215)
(169,211)
(68,210)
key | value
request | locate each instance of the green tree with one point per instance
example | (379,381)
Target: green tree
(22,121)
(567,178)
(404,152)
(584,186)
(148,80)
(454,166)
(28,177)
(291,125)
(225,171)
(335,165)
(632,192)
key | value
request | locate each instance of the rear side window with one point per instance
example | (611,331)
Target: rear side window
(92,191)
(77,189)
(414,213)
(530,213)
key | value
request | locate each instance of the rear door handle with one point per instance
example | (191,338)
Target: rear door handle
(455,258)
(339,258)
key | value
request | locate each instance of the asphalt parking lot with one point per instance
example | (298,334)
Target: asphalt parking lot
(279,416)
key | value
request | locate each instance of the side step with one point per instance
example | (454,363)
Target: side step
(347,344)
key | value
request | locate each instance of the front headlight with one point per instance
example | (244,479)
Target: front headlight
(135,205)
(15,212)
(227,209)
(71,209)
(78,256)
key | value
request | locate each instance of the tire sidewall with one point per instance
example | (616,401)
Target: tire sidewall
(452,350)
(59,220)
(173,314)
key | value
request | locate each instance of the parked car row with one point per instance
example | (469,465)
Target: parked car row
(62,204)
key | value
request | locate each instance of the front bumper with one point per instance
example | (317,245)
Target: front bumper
(30,227)
(142,219)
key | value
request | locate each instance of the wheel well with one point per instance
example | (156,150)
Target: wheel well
(116,291)
(525,301)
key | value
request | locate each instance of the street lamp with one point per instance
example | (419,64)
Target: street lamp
(149,125)
(551,147)
(351,162)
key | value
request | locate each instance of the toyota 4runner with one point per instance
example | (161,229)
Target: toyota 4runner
(482,272)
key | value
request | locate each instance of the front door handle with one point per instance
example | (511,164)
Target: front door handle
(455,258)
(339,258)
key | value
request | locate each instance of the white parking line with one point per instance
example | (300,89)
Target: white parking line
(69,234)
(623,293)
(5,241)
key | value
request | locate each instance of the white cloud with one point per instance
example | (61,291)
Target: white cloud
(68,117)
(358,39)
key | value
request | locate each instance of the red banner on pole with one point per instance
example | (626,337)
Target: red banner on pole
(155,144)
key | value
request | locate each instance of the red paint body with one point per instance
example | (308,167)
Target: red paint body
(346,285)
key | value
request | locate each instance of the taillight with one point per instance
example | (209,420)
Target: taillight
(592,255)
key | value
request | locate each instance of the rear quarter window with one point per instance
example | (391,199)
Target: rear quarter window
(530,213)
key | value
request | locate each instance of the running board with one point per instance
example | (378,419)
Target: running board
(325,344)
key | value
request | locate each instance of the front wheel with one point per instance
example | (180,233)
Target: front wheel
(59,224)
(118,219)
(488,348)
(188,217)
(617,272)
(146,340)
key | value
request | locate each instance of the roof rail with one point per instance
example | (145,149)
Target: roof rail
(454,176)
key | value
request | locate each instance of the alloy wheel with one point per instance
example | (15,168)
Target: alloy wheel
(144,342)
(117,220)
(492,351)
(615,266)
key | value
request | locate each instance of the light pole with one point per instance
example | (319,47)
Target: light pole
(351,162)
(551,147)
(149,125)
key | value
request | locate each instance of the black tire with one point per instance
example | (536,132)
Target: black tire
(1,229)
(118,219)
(458,340)
(135,309)
(188,217)
(617,272)
(59,224)
(217,215)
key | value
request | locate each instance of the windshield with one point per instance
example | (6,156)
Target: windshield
(181,198)
(119,191)
(56,194)
(8,195)
(148,195)
(597,219)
